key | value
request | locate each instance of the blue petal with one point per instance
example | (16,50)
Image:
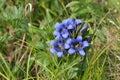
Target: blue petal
(70,27)
(52,43)
(70,20)
(68,41)
(79,38)
(78,21)
(71,51)
(85,43)
(66,21)
(58,25)
(66,46)
(65,35)
(59,54)
(58,38)
(56,33)
(82,52)
(52,50)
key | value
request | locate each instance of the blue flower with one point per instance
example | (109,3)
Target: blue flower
(57,46)
(76,44)
(65,33)
(61,30)
(67,44)
(78,21)
(71,23)
(67,38)
(58,25)
(58,30)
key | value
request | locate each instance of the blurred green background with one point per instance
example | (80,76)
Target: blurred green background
(26,28)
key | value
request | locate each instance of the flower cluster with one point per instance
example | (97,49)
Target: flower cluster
(67,38)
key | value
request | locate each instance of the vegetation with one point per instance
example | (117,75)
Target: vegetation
(26,29)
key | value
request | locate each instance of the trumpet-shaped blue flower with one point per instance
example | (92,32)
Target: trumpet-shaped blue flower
(57,46)
(67,38)
(76,45)
(71,23)
(61,30)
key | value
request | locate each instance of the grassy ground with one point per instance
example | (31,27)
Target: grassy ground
(26,28)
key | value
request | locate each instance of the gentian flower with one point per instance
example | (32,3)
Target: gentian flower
(57,46)
(58,27)
(68,38)
(67,43)
(78,21)
(61,30)
(71,23)
(76,45)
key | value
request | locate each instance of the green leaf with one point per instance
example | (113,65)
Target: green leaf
(2,2)
(73,3)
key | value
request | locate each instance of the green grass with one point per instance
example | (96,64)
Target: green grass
(25,35)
